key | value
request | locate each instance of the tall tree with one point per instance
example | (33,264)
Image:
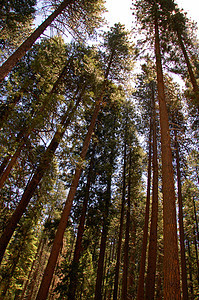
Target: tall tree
(77,9)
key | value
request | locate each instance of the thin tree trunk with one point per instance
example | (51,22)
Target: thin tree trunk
(27,44)
(100,267)
(196,219)
(126,245)
(78,245)
(171,261)
(39,173)
(189,66)
(152,253)
(45,284)
(190,271)
(117,267)
(140,292)
(181,226)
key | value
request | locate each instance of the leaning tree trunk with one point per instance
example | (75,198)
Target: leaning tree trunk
(152,253)
(171,261)
(39,173)
(24,134)
(189,66)
(80,232)
(140,292)
(181,226)
(27,44)
(117,267)
(126,245)
(47,277)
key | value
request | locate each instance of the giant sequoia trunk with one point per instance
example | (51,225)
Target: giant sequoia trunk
(39,173)
(181,226)
(117,267)
(27,44)
(140,292)
(126,245)
(46,281)
(80,232)
(152,253)
(171,261)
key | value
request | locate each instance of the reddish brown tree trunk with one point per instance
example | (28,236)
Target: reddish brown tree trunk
(126,245)
(189,66)
(32,185)
(23,135)
(152,253)
(80,232)
(140,292)
(45,284)
(100,267)
(27,44)
(181,226)
(115,292)
(171,261)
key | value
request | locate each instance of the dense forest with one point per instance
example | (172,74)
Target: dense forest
(99,165)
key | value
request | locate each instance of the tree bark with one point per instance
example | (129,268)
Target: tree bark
(140,292)
(152,253)
(126,245)
(45,284)
(27,44)
(171,261)
(117,267)
(39,173)
(78,245)
(181,226)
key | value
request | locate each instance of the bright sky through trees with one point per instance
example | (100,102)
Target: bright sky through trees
(120,11)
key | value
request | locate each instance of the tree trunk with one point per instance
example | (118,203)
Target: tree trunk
(39,173)
(181,226)
(140,292)
(45,284)
(78,245)
(100,267)
(189,66)
(23,135)
(171,262)
(117,267)
(126,245)
(190,271)
(41,244)
(152,253)
(27,44)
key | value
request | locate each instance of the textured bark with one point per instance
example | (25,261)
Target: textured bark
(80,232)
(140,292)
(126,245)
(45,284)
(181,226)
(27,44)
(152,253)
(171,261)
(115,292)
(39,173)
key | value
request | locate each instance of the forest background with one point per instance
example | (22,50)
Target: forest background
(99,150)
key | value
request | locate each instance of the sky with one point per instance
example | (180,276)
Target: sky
(119,11)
